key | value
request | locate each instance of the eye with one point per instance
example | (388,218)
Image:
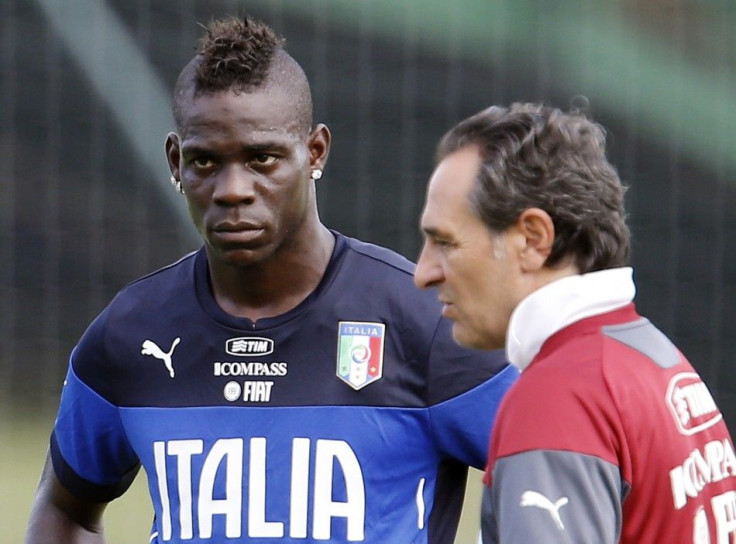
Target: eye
(441,242)
(263,160)
(437,244)
(203,163)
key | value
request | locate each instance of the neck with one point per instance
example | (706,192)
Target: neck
(546,275)
(276,285)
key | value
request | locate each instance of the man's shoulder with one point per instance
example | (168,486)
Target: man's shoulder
(380,256)
(159,307)
(182,266)
(169,290)
(385,277)
(160,283)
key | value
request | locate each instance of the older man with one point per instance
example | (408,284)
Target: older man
(609,435)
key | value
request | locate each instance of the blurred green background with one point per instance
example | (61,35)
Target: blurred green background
(25,441)
(86,206)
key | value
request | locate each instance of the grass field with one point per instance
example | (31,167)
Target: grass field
(24,442)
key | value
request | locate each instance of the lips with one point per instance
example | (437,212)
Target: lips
(236,226)
(446,308)
(240,233)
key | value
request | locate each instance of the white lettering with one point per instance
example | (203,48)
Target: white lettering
(159,456)
(299,488)
(336,467)
(361,330)
(257,391)
(183,450)
(698,398)
(258,527)
(680,405)
(699,469)
(249,346)
(716,450)
(729,460)
(230,450)
(242,368)
(724,512)
(701,528)
(691,403)
(353,509)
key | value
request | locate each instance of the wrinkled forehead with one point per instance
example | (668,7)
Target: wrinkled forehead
(450,187)
(455,175)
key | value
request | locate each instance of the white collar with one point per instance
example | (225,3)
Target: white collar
(562,302)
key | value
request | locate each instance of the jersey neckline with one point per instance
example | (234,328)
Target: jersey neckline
(209,304)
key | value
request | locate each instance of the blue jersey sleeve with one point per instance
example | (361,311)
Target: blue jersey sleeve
(91,454)
(465,389)
(462,425)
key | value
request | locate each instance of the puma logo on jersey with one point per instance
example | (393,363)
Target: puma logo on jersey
(533,498)
(149,347)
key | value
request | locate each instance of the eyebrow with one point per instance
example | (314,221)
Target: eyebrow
(432,232)
(264,146)
(188,149)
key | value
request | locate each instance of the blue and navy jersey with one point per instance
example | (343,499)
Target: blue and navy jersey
(351,418)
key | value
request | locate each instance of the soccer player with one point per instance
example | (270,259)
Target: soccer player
(609,435)
(285,383)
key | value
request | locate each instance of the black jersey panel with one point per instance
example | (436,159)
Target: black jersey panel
(366,336)
(83,488)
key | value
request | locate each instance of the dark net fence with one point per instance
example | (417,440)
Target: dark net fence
(85,205)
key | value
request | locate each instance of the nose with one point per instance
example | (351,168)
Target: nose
(428,272)
(235,185)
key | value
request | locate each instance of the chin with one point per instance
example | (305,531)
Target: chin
(462,337)
(241,257)
(475,339)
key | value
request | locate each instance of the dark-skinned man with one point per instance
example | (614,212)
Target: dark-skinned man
(285,383)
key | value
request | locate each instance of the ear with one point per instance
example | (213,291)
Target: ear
(538,234)
(173,153)
(319,146)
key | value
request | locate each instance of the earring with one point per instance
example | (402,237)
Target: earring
(316,174)
(177,184)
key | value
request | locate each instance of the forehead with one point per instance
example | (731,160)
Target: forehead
(262,114)
(449,189)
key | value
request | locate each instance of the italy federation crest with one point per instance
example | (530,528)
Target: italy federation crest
(360,352)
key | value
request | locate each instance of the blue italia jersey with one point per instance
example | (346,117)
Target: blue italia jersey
(351,418)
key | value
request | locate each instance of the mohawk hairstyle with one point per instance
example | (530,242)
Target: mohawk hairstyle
(242,56)
(235,54)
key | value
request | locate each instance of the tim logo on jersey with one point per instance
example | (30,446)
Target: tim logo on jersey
(249,346)
(691,404)
(360,352)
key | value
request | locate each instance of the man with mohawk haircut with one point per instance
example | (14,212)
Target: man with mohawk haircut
(284,383)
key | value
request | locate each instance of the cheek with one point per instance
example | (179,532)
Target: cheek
(295,198)
(488,279)
(195,208)
(290,205)
(492,294)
